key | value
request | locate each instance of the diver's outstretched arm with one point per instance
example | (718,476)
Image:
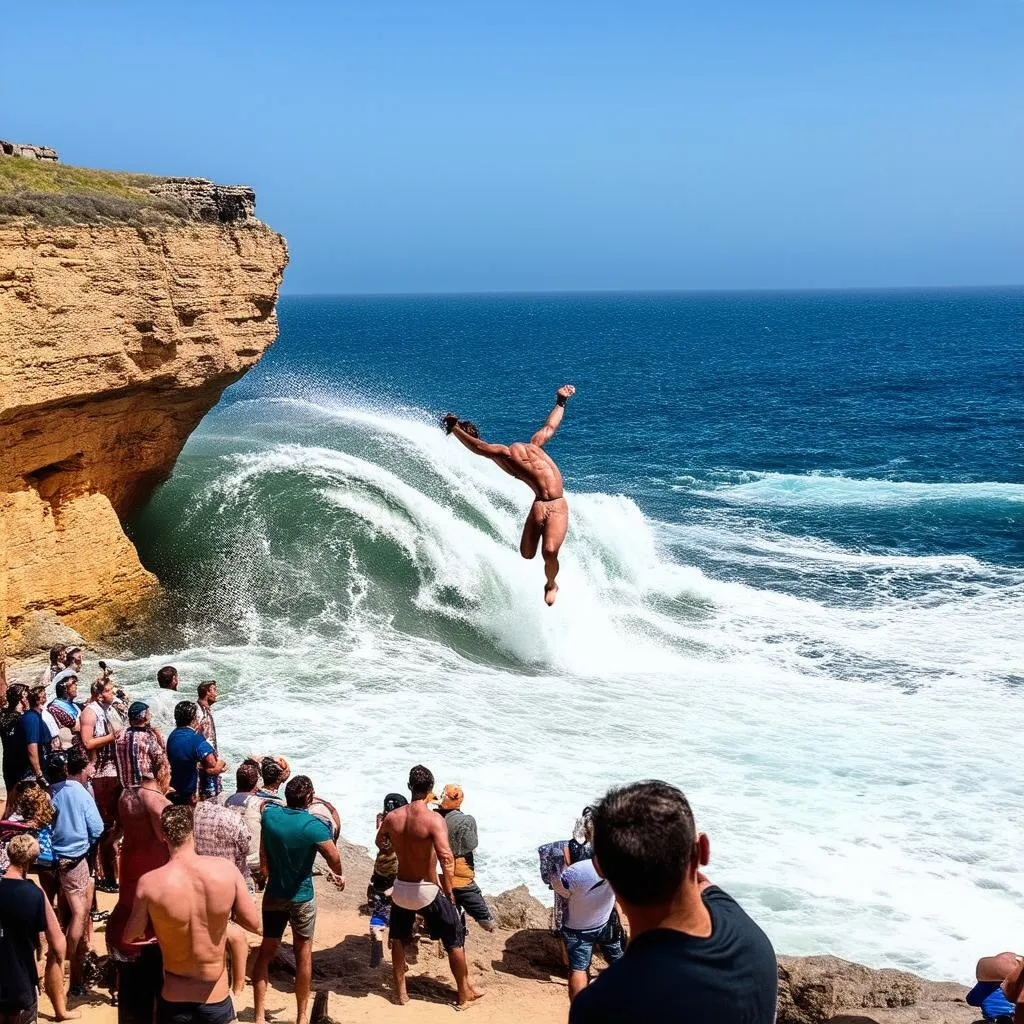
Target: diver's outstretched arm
(473,443)
(551,424)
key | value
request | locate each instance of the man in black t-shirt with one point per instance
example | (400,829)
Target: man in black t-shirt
(24,916)
(694,956)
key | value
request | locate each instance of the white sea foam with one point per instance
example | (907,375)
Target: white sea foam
(816,489)
(852,764)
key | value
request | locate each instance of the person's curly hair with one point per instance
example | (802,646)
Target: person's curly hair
(35,805)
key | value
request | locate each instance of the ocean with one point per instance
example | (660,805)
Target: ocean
(793,585)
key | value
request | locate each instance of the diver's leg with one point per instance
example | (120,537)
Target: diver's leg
(531,532)
(556,526)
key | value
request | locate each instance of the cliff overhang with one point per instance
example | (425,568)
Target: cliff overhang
(124,314)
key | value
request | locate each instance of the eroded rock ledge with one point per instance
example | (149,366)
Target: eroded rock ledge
(115,340)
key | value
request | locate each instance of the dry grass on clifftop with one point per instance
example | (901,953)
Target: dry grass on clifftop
(58,194)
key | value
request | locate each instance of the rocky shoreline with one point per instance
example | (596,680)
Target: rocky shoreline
(812,989)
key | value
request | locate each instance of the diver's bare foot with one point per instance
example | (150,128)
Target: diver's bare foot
(68,1015)
(550,590)
(474,995)
(401,998)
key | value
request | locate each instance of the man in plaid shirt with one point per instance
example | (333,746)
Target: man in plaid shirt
(220,832)
(137,748)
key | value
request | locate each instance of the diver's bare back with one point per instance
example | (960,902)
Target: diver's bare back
(413,830)
(529,462)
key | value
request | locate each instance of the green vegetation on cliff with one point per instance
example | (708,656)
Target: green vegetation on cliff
(56,194)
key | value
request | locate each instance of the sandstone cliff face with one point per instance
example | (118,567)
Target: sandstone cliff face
(114,342)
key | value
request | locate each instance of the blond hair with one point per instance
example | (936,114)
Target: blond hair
(23,850)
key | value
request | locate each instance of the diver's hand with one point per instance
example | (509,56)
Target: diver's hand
(448,421)
(564,393)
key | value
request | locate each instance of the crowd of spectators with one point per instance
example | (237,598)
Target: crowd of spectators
(98,799)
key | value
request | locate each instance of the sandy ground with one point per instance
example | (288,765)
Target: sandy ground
(514,967)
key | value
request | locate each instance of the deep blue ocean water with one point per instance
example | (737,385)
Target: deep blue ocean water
(793,583)
(899,386)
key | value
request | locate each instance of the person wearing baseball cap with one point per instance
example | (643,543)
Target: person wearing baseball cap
(463,839)
(138,751)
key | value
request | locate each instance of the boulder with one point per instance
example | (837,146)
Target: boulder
(41,630)
(517,910)
(816,989)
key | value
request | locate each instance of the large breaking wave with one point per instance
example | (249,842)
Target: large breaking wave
(353,579)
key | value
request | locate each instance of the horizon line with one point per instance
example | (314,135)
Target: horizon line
(457,293)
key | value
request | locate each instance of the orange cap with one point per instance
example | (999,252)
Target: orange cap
(451,798)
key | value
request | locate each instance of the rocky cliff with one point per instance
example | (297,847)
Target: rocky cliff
(116,337)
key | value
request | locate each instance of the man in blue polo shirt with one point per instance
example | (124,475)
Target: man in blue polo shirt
(76,830)
(186,750)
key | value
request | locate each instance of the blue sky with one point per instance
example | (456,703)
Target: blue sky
(468,146)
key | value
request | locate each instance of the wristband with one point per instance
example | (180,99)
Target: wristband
(561,400)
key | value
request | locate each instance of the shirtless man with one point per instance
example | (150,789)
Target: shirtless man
(420,839)
(190,902)
(548,519)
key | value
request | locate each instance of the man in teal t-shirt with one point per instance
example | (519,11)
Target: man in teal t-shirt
(291,838)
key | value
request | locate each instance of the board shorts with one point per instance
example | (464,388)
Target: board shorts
(195,1013)
(443,920)
(278,914)
(74,875)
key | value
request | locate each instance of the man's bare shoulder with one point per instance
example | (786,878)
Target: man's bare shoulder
(216,868)
(395,819)
(144,886)
(153,878)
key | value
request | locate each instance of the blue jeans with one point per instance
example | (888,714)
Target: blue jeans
(579,945)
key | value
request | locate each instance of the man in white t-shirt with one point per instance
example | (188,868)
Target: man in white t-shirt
(588,921)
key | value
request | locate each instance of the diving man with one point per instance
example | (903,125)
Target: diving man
(548,519)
